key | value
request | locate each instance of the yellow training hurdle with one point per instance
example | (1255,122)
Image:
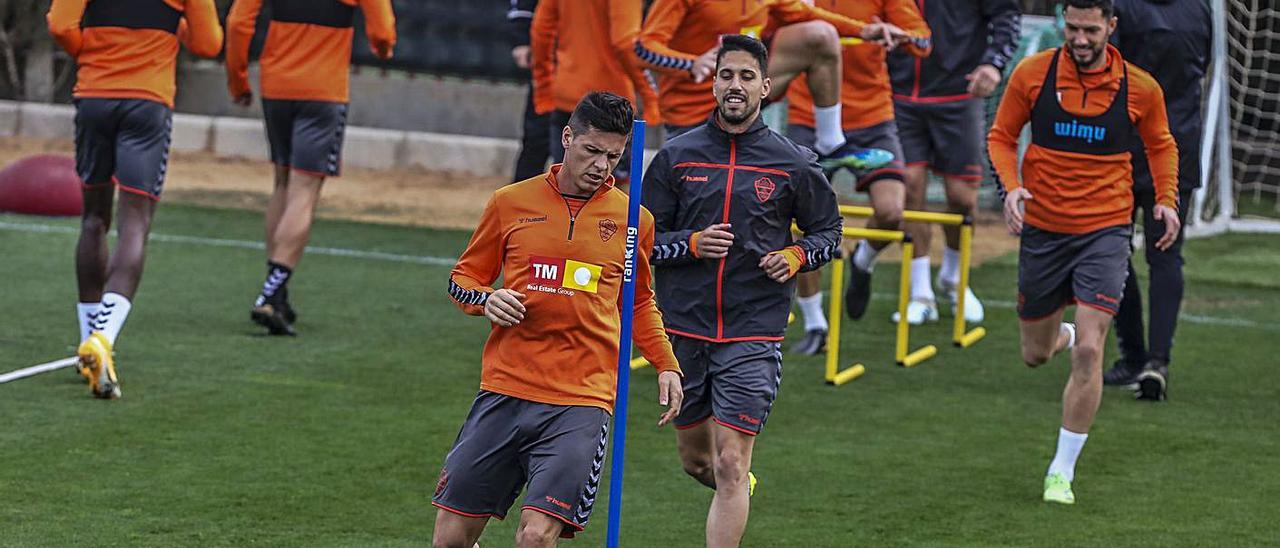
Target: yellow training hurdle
(961,336)
(903,355)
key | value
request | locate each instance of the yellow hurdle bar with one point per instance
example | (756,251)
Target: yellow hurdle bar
(834,375)
(959,336)
(874,234)
(901,354)
(908,215)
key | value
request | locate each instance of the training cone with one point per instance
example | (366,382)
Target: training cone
(45,184)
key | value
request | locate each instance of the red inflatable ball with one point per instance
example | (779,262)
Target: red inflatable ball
(45,184)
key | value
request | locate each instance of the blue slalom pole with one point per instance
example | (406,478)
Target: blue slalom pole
(624,338)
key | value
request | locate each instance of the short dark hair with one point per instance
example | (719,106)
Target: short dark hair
(742,42)
(1107,7)
(603,111)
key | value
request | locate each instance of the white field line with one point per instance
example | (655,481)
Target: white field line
(445,261)
(246,244)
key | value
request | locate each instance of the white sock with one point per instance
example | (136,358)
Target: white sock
(1071,334)
(949,273)
(829,135)
(864,257)
(811,311)
(920,288)
(85,313)
(1069,446)
(111,317)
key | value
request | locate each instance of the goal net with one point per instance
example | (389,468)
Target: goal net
(1241,150)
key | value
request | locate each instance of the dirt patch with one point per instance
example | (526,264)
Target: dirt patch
(417,198)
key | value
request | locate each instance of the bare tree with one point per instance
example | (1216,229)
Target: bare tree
(27,52)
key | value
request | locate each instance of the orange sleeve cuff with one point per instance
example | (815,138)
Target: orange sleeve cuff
(693,244)
(795,258)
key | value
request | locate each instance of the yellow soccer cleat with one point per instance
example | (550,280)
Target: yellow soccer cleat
(95,356)
(751,484)
(1058,489)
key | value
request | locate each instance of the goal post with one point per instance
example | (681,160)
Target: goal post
(1240,151)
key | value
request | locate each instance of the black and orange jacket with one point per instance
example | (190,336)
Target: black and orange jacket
(567,260)
(1074,192)
(966,33)
(308,51)
(676,32)
(581,46)
(759,182)
(128,49)
(865,91)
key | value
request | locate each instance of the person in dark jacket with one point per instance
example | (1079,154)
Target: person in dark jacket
(938,105)
(723,198)
(1171,39)
(535,141)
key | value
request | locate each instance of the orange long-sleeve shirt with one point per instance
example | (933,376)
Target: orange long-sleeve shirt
(676,32)
(568,263)
(581,46)
(865,91)
(307,55)
(128,49)
(1074,193)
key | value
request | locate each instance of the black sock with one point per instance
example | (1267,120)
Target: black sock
(276,285)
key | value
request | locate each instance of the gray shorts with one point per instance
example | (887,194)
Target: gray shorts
(733,383)
(508,444)
(883,136)
(125,141)
(306,135)
(1057,269)
(947,137)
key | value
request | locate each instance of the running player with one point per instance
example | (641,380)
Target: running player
(304,100)
(938,105)
(724,196)
(587,45)
(126,51)
(681,37)
(549,367)
(867,124)
(1085,105)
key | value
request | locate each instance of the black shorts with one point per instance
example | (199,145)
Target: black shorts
(1057,269)
(125,141)
(506,442)
(733,383)
(883,136)
(306,135)
(947,137)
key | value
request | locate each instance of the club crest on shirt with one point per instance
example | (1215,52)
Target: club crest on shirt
(607,229)
(764,188)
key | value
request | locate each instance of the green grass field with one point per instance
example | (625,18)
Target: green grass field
(334,438)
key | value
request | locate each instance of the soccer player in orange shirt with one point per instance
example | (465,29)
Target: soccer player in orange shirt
(867,123)
(304,87)
(126,52)
(548,374)
(1073,203)
(581,46)
(681,37)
